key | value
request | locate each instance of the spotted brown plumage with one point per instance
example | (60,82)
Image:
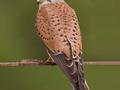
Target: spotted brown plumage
(58,27)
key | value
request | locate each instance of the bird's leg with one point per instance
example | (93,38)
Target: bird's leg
(49,60)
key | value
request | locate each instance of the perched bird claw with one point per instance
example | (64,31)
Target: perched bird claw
(49,60)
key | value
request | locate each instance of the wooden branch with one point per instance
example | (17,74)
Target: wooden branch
(102,63)
(36,62)
(26,62)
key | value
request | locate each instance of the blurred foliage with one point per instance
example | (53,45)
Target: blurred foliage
(100,26)
(51,78)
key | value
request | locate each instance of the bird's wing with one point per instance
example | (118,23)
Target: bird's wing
(58,27)
(74,71)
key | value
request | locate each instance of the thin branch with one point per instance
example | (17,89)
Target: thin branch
(36,62)
(102,63)
(26,62)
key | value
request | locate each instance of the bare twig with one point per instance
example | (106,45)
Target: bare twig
(35,62)
(26,62)
(102,63)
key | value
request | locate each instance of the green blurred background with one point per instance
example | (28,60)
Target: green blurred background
(100,26)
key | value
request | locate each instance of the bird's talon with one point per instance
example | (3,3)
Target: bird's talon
(49,60)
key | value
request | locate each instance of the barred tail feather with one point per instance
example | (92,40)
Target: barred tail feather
(74,70)
(86,86)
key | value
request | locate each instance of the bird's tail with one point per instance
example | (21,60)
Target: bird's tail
(81,84)
(86,86)
(73,69)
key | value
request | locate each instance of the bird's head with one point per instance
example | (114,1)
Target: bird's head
(41,3)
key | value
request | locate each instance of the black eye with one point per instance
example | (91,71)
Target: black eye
(38,2)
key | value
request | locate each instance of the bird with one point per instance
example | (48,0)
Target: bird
(57,25)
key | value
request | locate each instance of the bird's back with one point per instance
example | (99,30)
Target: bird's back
(58,27)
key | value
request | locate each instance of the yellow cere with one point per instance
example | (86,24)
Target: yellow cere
(41,1)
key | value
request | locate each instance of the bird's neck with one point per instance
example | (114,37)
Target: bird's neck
(47,2)
(43,4)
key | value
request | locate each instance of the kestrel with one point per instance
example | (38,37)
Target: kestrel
(58,27)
